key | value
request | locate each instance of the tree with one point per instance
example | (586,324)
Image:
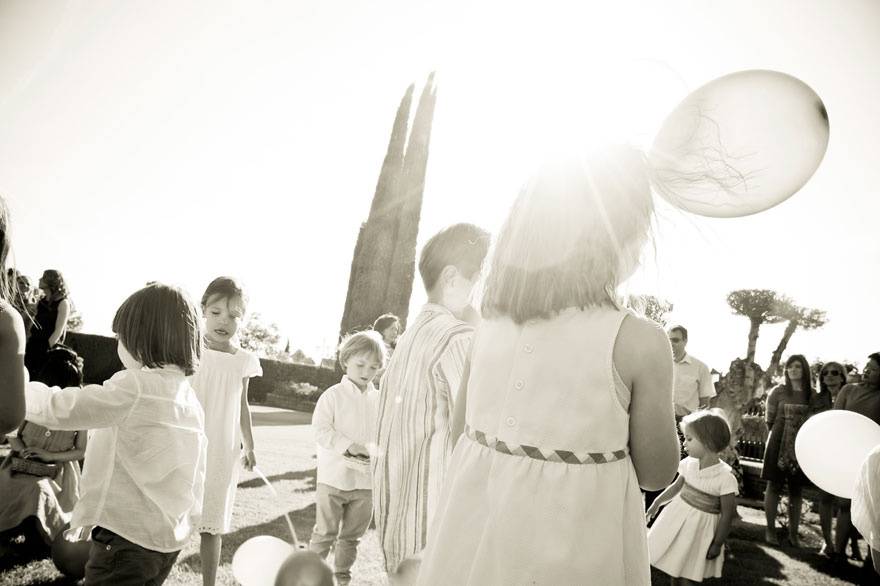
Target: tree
(383,264)
(259,338)
(761,306)
(797,316)
(651,307)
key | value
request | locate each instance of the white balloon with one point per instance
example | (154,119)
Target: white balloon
(740,144)
(831,447)
(256,561)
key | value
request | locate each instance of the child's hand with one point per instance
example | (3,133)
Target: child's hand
(714,551)
(358,450)
(248,460)
(37,453)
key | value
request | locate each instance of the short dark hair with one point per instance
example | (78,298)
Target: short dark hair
(463,246)
(681,330)
(226,288)
(710,427)
(63,368)
(385,321)
(366,342)
(875,357)
(159,326)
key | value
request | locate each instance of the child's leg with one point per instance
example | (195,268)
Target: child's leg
(842,529)
(210,554)
(826,503)
(356,516)
(328,513)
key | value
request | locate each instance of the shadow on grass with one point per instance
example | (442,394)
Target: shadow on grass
(303,521)
(310,476)
(281,418)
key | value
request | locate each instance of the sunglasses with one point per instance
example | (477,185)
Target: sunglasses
(831,373)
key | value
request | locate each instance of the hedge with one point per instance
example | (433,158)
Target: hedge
(100,362)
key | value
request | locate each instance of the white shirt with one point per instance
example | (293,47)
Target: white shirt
(692,381)
(145,463)
(344,415)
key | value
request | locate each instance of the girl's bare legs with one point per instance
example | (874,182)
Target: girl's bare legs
(771,501)
(210,553)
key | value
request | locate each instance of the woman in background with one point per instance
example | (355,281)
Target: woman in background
(50,322)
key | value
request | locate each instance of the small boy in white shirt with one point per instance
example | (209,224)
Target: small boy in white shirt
(344,423)
(141,491)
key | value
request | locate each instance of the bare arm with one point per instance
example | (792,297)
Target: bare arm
(665,496)
(249,460)
(77,453)
(643,358)
(728,509)
(772,406)
(12,404)
(60,322)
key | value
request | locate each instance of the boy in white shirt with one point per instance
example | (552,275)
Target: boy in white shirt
(142,486)
(344,423)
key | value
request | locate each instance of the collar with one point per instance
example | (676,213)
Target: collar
(353,387)
(684,359)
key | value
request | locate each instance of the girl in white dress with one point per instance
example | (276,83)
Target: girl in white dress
(687,540)
(221,384)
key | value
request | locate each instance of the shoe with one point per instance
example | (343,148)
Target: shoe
(827,551)
(856,555)
(770,537)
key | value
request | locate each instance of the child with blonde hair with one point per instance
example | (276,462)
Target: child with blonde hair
(221,385)
(141,491)
(344,423)
(687,540)
(567,406)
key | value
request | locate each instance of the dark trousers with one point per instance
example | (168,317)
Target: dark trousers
(115,560)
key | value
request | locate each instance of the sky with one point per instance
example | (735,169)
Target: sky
(177,142)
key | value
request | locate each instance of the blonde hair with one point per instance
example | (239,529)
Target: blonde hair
(574,233)
(368,342)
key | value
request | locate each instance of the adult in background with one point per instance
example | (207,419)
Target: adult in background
(788,407)
(388,325)
(50,322)
(47,497)
(418,392)
(863,398)
(12,341)
(691,379)
(23,298)
(832,377)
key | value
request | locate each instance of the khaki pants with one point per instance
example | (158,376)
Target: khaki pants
(341,518)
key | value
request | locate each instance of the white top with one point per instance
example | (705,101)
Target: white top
(717,479)
(691,382)
(219,383)
(866,500)
(344,415)
(146,458)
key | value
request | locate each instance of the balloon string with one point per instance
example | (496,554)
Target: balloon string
(286,516)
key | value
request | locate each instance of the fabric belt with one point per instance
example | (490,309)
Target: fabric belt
(702,501)
(564,456)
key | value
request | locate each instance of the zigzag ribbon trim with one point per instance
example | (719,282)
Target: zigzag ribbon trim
(564,456)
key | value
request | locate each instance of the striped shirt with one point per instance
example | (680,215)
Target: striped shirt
(413,430)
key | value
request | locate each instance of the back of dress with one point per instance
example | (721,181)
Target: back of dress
(541,489)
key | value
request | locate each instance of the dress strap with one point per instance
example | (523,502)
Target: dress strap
(700,500)
(547,455)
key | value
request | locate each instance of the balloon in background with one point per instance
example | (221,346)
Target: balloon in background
(256,561)
(831,447)
(70,557)
(740,144)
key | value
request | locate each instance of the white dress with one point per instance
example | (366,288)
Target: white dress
(680,537)
(218,385)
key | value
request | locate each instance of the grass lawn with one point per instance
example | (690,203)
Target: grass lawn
(286,456)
